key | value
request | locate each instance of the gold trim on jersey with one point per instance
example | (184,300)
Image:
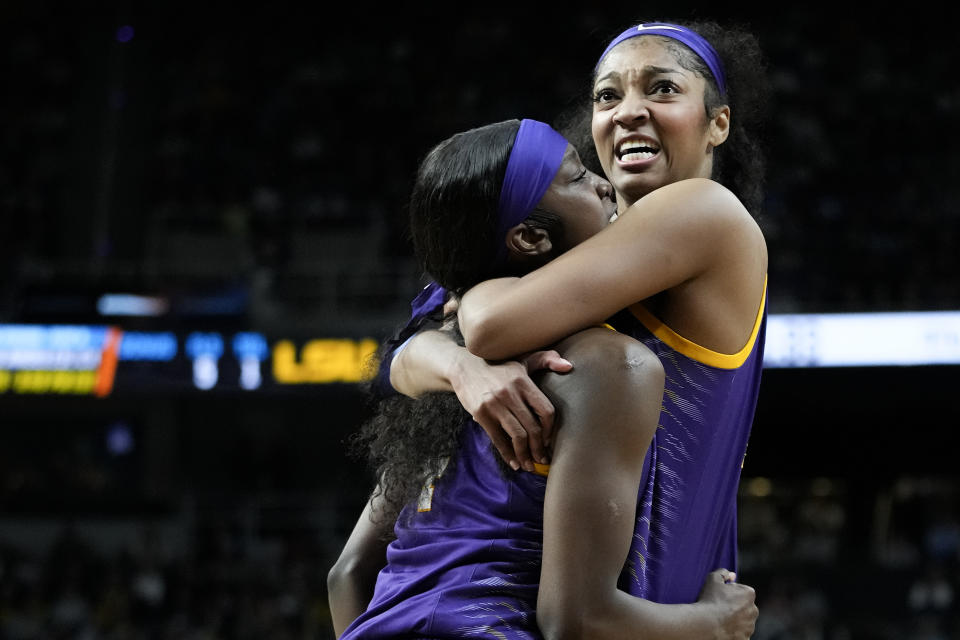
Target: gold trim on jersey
(693,350)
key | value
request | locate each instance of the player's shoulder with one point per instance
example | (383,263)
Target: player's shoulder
(698,201)
(714,210)
(708,198)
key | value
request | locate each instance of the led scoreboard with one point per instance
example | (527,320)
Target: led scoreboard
(106,360)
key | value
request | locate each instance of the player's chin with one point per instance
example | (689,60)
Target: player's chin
(633,186)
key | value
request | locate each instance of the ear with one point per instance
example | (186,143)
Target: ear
(528,242)
(719,126)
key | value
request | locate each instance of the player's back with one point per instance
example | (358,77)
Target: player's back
(467,557)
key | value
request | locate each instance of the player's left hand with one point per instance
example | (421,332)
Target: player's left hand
(503,399)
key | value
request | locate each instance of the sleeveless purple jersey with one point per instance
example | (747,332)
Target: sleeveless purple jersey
(466,562)
(686,510)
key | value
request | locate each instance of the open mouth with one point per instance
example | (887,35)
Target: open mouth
(632,150)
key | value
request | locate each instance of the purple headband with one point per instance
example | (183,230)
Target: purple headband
(536,156)
(534,161)
(692,39)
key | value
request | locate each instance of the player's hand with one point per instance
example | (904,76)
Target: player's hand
(509,406)
(734,603)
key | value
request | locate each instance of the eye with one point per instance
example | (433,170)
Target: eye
(664,87)
(581,175)
(604,95)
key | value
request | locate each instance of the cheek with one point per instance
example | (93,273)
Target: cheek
(599,129)
(602,141)
(689,126)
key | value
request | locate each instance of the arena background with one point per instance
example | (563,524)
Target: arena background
(203,234)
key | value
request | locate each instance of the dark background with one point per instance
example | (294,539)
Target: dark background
(262,158)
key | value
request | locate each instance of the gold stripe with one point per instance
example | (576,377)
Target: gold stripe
(693,350)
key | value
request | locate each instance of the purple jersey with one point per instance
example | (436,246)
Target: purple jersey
(686,510)
(466,561)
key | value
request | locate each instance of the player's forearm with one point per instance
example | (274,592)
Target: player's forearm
(654,621)
(351,580)
(349,591)
(608,615)
(429,362)
(481,322)
(579,598)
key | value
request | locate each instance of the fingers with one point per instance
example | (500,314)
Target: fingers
(550,360)
(517,416)
(537,417)
(527,444)
(535,398)
(749,594)
(737,602)
(521,413)
(746,596)
(501,442)
(721,576)
(515,431)
(451,305)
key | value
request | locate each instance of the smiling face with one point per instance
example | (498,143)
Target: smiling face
(581,199)
(650,126)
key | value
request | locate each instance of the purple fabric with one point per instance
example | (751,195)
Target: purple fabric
(466,560)
(429,300)
(534,161)
(697,43)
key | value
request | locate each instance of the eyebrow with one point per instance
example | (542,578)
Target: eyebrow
(647,70)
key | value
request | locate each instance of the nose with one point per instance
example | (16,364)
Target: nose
(632,109)
(604,188)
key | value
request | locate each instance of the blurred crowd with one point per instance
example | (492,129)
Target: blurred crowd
(276,154)
(829,564)
(819,573)
(217,591)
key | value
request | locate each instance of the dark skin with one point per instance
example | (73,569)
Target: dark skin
(607,419)
(608,406)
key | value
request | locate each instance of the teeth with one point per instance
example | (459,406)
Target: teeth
(638,150)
